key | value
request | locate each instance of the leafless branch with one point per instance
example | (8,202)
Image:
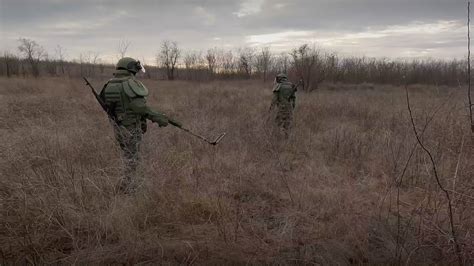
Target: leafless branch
(168,57)
(122,48)
(438,181)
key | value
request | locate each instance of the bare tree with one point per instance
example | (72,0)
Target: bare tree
(33,53)
(264,60)
(195,65)
(281,63)
(303,61)
(6,57)
(211,58)
(83,60)
(227,62)
(246,61)
(309,65)
(331,65)
(12,66)
(50,65)
(122,48)
(190,61)
(87,62)
(168,57)
(61,56)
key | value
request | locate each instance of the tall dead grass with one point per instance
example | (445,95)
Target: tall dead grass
(327,195)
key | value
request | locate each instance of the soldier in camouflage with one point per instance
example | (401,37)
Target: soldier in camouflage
(125,98)
(284,101)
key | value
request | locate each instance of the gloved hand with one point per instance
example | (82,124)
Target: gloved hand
(161,121)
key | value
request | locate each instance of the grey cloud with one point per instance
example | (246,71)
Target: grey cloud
(97,25)
(352,15)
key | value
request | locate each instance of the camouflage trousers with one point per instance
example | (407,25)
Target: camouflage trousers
(129,140)
(284,119)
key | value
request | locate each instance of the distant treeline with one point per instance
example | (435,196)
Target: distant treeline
(310,64)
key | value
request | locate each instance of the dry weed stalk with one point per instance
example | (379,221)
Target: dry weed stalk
(471,105)
(438,181)
(399,181)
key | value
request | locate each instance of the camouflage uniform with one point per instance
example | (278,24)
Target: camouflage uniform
(284,99)
(125,98)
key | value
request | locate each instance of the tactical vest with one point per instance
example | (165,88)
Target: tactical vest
(285,91)
(118,93)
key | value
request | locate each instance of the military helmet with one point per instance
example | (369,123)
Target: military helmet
(130,64)
(281,77)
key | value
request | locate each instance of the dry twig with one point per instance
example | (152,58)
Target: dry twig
(438,181)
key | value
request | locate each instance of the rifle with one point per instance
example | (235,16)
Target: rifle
(99,100)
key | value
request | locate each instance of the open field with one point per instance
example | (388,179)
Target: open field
(328,195)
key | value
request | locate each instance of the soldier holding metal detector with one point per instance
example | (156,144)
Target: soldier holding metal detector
(123,98)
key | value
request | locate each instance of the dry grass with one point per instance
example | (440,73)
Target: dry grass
(326,196)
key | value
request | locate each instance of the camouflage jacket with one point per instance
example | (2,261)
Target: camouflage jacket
(284,95)
(125,98)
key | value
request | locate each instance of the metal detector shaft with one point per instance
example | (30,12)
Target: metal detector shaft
(215,142)
(196,135)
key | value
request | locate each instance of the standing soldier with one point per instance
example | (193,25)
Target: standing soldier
(284,99)
(125,100)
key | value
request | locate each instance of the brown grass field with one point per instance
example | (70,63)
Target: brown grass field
(327,195)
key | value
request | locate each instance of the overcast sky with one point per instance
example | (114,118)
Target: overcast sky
(375,28)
